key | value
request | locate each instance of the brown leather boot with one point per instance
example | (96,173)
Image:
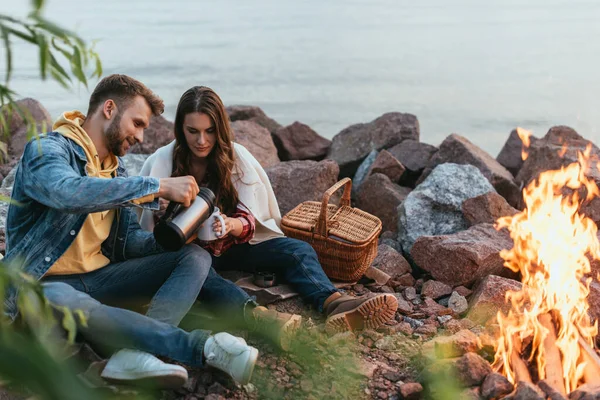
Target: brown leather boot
(278,327)
(356,313)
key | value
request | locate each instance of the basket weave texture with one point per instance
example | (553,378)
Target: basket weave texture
(345,238)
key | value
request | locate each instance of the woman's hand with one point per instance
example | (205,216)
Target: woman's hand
(233,226)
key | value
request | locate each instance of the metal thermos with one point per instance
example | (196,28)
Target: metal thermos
(179,223)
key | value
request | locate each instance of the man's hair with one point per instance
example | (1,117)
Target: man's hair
(122,89)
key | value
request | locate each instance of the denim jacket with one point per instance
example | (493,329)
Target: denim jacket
(55,196)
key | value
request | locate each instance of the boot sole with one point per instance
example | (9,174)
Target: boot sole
(164,379)
(369,315)
(249,366)
(288,332)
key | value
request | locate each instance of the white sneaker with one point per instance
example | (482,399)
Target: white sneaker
(231,355)
(133,366)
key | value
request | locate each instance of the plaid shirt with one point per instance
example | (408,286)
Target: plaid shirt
(219,246)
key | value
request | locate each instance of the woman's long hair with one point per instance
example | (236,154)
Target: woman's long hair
(221,159)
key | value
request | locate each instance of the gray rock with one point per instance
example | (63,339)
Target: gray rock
(387,164)
(354,143)
(299,142)
(434,207)
(458,149)
(415,157)
(458,303)
(362,171)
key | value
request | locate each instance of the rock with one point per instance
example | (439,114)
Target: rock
(434,207)
(435,289)
(549,391)
(426,330)
(411,391)
(404,307)
(486,208)
(158,134)
(456,345)
(458,149)
(17,138)
(414,156)
(134,162)
(488,297)
(354,143)
(585,392)
(254,114)
(405,328)
(527,391)
(510,157)
(414,323)
(472,369)
(463,291)
(431,308)
(257,140)
(381,197)
(387,164)
(594,300)
(386,343)
(463,257)
(218,389)
(406,280)
(380,277)
(299,142)
(559,148)
(495,386)
(362,172)
(410,293)
(297,181)
(458,303)
(390,261)
(473,393)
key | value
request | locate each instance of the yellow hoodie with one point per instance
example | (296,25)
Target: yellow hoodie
(84,254)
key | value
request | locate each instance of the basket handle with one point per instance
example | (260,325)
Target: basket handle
(344,201)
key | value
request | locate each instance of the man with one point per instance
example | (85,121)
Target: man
(74,229)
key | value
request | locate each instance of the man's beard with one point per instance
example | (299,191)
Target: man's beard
(114,141)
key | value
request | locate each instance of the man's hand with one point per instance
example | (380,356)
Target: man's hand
(181,189)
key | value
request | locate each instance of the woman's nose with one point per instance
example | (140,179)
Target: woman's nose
(202,138)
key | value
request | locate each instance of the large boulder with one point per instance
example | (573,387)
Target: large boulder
(363,171)
(558,148)
(158,134)
(254,114)
(462,258)
(257,140)
(17,137)
(415,157)
(297,181)
(299,142)
(486,208)
(354,143)
(459,150)
(379,196)
(511,154)
(489,296)
(434,207)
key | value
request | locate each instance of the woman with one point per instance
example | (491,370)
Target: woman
(251,238)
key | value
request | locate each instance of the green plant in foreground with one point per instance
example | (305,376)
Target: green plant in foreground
(56,46)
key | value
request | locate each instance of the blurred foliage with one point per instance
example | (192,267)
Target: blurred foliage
(63,56)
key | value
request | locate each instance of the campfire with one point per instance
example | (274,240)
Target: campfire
(547,334)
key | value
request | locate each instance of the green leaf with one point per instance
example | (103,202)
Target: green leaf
(37,4)
(44,52)
(69,324)
(21,35)
(54,29)
(77,66)
(8,52)
(59,78)
(56,65)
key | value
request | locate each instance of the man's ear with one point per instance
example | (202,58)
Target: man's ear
(109,109)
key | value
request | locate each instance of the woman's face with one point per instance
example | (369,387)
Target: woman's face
(200,134)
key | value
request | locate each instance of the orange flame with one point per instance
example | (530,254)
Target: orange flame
(525,137)
(551,241)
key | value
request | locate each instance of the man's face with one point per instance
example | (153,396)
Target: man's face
(127,126)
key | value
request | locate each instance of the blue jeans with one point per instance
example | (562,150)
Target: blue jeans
(292,260)
(170,282)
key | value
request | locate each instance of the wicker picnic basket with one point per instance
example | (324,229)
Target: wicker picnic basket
(345,238)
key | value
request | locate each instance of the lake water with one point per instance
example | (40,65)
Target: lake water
(477,68)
